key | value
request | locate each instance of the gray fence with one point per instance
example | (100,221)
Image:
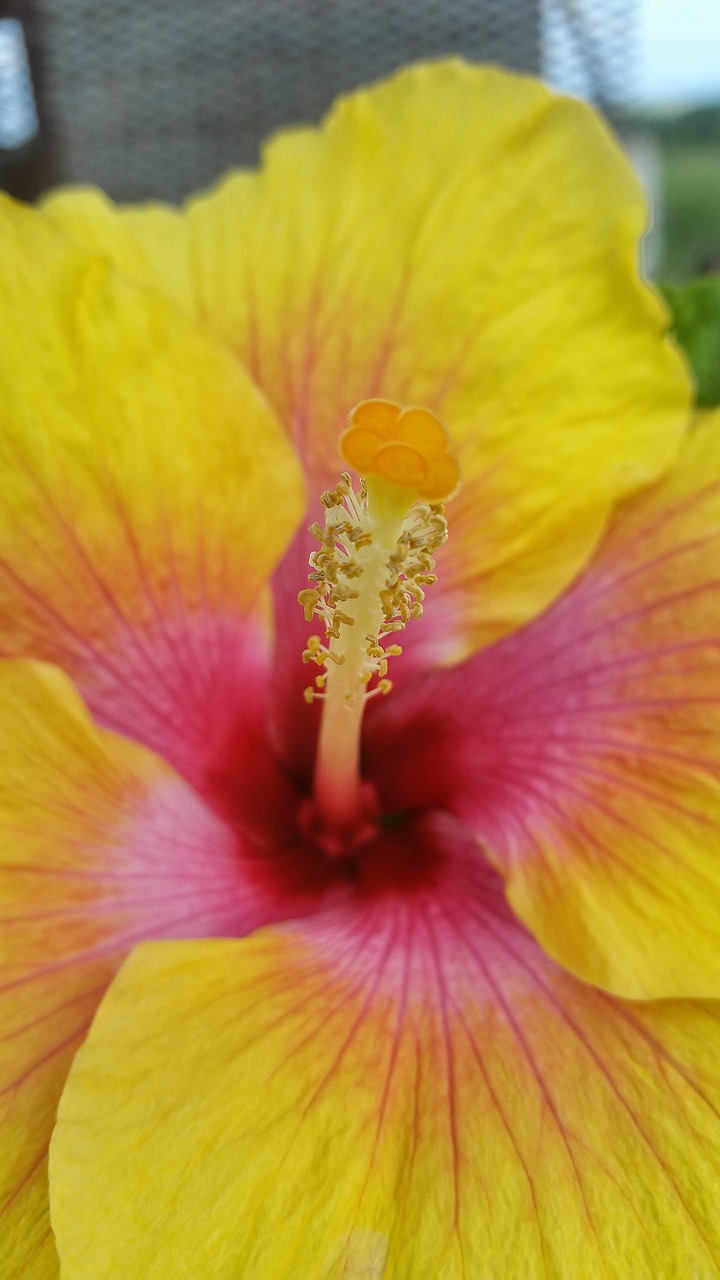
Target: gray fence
(158,97)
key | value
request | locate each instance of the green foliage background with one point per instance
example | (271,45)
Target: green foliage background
(695,309)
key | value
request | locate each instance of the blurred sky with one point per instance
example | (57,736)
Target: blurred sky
(679,51)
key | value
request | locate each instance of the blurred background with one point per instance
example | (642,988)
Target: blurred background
(155,100)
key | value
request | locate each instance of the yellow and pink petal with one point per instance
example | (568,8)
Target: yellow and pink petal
(455,237)
(102,845)
(405,1087)
(585,750)
(148,493)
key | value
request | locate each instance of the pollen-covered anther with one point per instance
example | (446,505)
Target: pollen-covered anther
(339,593)
(382,687)
(309,599)
(336,497)
(315,651)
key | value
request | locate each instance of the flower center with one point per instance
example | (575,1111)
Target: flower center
(368,580)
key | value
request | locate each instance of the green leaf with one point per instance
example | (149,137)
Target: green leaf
(695,309)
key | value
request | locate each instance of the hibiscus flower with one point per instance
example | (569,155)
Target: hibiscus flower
(434,999)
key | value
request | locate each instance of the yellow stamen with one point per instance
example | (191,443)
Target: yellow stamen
(368,579)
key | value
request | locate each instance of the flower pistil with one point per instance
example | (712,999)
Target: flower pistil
(368,580)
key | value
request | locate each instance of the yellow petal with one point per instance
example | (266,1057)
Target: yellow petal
(101,844)
(459,238)
(147,491)
(392,1095)
(147,244)
(622,884)
(584,750)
